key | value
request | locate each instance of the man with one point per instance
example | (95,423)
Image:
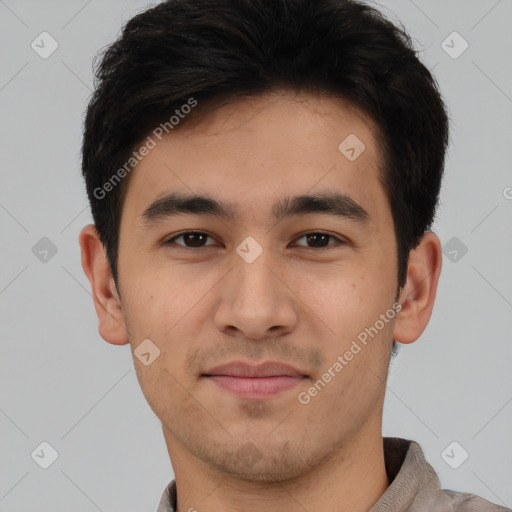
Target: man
(263,175)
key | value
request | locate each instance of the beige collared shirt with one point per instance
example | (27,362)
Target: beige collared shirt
(414,486)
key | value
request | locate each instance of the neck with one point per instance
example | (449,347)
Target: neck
(353,479)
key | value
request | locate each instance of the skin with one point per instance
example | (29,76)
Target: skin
(292,304)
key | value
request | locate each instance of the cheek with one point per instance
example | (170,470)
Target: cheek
(345,301)
(352,310)
(160,297)
(164,389)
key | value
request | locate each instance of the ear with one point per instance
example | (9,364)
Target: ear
(106,299)
(419,292)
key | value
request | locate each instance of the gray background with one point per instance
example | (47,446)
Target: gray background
(61,383)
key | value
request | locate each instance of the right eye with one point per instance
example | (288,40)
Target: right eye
(192,239)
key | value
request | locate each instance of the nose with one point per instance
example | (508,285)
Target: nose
(257,299)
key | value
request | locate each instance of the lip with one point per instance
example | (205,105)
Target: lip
(266,369)
(255,381)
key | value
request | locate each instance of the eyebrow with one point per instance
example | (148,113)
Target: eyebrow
(330,203)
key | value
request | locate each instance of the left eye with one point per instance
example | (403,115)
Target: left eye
(321,238)
(196,239)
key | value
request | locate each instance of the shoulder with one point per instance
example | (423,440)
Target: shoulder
(466,502)
(415,486)
(169,498)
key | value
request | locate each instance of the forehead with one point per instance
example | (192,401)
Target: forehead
(248,152)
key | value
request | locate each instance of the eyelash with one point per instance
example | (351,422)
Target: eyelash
(339,243)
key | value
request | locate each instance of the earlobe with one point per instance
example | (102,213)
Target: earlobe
(106,299)
(418,295)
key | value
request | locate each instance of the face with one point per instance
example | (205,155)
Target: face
(280,279)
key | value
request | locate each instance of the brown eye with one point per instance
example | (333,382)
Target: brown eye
(318,240)
(191,239)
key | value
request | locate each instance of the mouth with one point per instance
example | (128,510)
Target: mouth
(255,381)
